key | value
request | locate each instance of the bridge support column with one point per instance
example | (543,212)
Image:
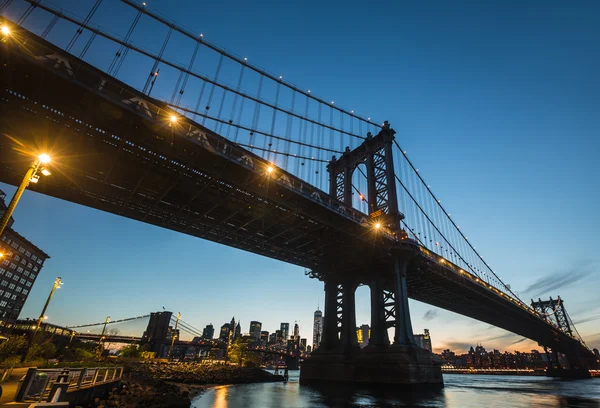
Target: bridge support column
(348,337)
(379,336)
(404,332)
(330,340)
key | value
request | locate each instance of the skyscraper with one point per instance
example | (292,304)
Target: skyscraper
(238,331)
(19,268)
(264,337)
(296,331)
(317,329)
(255,328)
(363,333)
(208,332)
(225,332)
(285,330)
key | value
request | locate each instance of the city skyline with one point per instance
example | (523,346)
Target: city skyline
(130,258)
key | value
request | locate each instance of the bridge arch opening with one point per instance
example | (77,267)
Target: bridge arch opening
(360,193)
(363,314)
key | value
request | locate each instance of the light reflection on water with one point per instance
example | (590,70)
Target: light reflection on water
(460,391)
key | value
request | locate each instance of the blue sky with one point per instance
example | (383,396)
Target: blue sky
(497,103)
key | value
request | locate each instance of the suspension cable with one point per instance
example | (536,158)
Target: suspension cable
(110,322)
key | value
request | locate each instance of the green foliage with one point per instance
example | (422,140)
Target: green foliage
(11,348)
(238,353)
(82,354)
(130,351)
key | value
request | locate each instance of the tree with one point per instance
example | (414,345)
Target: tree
(131,351)
(238,353)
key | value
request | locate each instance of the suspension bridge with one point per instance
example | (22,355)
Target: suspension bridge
(215,147)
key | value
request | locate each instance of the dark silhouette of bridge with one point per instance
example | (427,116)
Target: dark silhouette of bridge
(263,171)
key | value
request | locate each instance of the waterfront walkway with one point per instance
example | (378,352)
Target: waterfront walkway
(9,388)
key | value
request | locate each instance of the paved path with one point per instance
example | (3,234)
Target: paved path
(9,388)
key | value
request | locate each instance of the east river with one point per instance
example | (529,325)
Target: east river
(487,391)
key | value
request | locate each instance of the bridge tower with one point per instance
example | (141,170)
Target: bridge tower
(554,312)
(339,357)
(157,332)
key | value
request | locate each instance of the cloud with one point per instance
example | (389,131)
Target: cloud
(544,286)
(587,319)
(430,314)
(458,347)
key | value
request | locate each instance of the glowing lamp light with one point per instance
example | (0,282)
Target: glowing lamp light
(362,197)
(5,30)
(173,118)
(44,158)
(270,169)
(377,225)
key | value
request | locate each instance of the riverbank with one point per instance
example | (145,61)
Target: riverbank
(173,385)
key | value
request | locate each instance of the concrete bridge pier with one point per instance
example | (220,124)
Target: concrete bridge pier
(339,359)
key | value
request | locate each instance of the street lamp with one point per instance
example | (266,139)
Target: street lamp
(30,176)
(57,285)
(173,335)
(99,352)
(5,32)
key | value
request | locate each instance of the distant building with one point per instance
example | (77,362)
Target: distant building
(225,332)
(273,338)
(238,332)
(264,336)
(363,333)
(285,330)
(279,337)
(255,328)
(296,331)
(19,267)
(424,340)
(302,344)
(317,329)
(208,332)
(308,349)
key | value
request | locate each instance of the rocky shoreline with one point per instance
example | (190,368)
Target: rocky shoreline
(174,385)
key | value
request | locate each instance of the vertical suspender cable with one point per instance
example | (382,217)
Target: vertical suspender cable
(235,101)
(288,134)
(51,25)
(187,75)
(153,71)
(87,46)
(122,51)
(85,22)
(270,156)
(256,112)
(212,89)
(32,6)
(4,5)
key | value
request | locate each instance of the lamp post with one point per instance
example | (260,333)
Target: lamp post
(173,335)
(30,176)
(99,352)
(57,284)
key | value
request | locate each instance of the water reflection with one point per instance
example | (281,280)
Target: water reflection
(464,391)
(220,397)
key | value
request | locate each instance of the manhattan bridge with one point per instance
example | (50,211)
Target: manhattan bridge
(206,143)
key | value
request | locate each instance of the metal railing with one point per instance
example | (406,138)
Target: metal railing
(39,383)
